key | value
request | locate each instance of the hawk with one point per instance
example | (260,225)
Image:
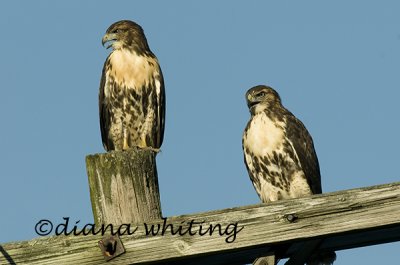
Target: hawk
(131,96)
(279,153)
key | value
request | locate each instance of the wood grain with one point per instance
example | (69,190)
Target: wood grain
(344,219)
(124,186)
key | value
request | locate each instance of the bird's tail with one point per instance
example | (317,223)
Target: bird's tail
(322,258)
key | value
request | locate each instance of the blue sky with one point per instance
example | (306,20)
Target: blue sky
(335,64)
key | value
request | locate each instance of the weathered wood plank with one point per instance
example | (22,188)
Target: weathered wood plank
(124,186)
(344,219)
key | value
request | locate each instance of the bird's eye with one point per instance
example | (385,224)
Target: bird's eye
(261,94)
(117,30)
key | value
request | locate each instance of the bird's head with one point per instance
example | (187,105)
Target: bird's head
(125,34)
(261,97)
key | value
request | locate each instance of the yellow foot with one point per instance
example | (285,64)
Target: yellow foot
(156,150)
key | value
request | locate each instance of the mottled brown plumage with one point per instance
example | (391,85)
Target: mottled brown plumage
(279,153)
(131,97)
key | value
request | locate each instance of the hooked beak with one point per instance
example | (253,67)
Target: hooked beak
(109,38)
(250,101)
(251,104)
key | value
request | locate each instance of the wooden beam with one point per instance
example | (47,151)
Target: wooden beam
(124,186)
(344,219)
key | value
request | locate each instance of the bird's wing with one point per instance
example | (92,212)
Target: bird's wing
(304,147)
(104,112)
(160,91)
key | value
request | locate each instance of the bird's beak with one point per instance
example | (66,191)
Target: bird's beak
(251,104)
(249,101)
(107,38)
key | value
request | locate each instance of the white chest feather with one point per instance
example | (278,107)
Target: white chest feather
(132,70)
(264,135)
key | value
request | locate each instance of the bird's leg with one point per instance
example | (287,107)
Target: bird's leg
(143,145)
(125,140)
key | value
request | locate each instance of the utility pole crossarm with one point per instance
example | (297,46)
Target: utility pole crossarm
(343,219)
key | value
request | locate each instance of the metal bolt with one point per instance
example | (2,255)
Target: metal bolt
(111,247)
(291,217)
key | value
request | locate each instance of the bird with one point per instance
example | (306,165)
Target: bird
(279,154)
(132,93)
